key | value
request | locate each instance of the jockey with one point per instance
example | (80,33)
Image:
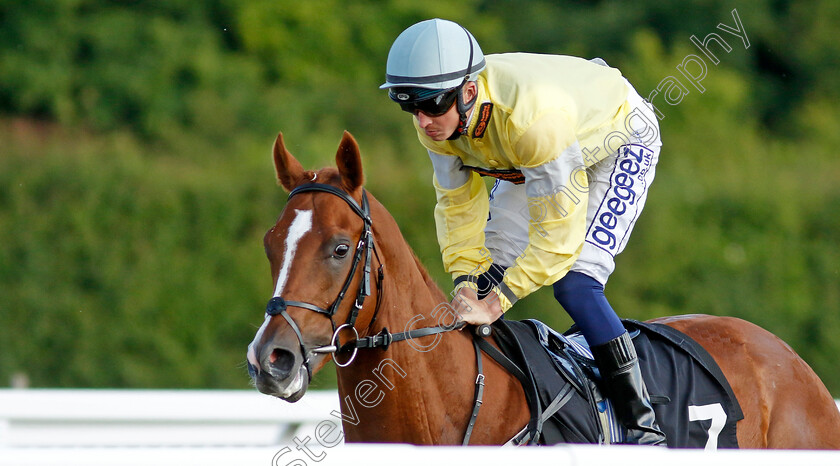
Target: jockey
(573,149)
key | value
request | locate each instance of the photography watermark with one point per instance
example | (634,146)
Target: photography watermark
(693,67)
(624,157)
(367,394)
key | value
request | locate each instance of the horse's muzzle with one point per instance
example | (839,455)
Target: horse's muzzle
(279,373)
(291,390)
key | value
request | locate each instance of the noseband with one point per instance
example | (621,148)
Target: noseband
(364,250)
(278,305)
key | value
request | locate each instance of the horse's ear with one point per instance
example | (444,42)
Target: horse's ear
(349,163)
(289,170)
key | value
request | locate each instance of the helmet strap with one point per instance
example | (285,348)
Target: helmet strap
(463,108)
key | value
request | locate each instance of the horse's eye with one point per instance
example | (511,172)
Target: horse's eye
(341,250)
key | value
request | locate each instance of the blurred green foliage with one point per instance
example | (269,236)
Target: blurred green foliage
(136,183)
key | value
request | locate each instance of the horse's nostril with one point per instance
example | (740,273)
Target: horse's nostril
(282,362)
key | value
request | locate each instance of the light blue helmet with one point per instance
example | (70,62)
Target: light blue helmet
(428,65)
(433,54)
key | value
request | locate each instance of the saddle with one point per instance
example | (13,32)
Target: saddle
(694,404)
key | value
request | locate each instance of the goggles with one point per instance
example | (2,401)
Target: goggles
(432,102)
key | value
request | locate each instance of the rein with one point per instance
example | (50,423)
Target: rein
(364,249)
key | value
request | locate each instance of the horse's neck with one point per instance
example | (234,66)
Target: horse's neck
(407,284)
(411,379)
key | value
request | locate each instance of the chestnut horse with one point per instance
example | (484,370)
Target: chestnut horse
(339,261)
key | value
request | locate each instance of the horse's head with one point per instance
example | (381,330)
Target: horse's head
(319,249)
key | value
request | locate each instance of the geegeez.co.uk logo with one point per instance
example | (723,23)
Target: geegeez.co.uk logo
(619,208)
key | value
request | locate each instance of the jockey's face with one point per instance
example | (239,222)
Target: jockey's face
(439,128)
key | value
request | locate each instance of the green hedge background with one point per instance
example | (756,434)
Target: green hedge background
(136,181)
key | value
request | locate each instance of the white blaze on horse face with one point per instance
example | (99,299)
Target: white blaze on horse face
(252,353)
(301,224)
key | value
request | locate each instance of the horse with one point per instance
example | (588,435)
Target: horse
(333,237)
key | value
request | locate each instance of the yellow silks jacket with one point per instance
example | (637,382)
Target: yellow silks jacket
(548,116)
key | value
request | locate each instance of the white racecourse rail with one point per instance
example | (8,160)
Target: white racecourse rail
(215,427)
(140,418)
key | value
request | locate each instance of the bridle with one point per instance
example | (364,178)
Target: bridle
(364,249)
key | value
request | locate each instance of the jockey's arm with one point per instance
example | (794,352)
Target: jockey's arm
(460,216)
(557,190)
(556,187)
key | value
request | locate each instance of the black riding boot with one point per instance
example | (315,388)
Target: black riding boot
(619,367)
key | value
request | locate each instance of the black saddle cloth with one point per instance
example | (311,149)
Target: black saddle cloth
(694,404)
